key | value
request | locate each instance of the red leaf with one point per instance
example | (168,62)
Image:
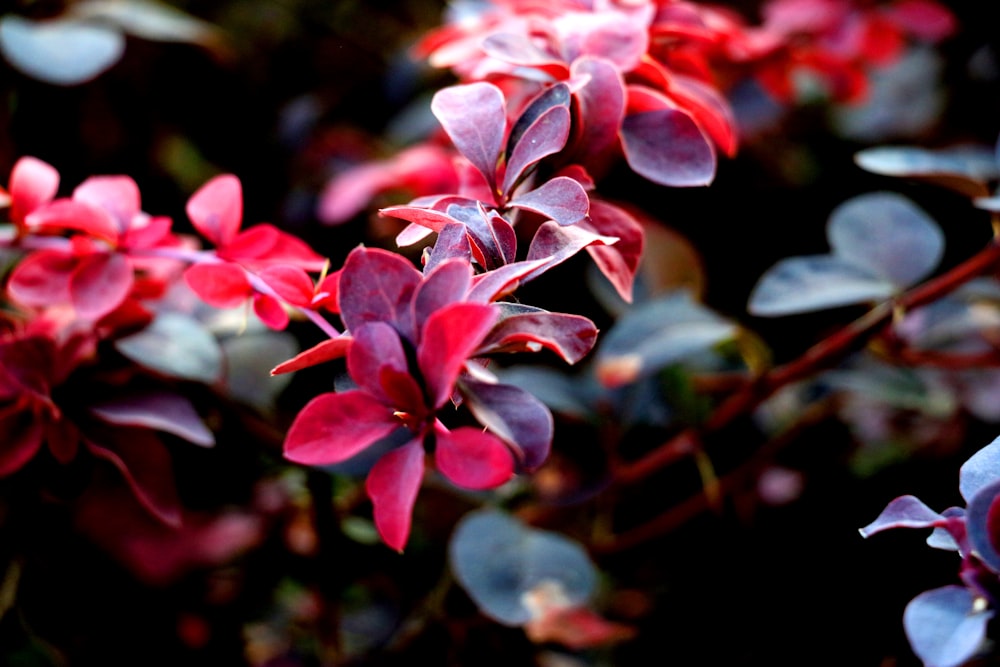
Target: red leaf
(100,283)
(393,484)
(22,440)
(334,427)
(220,285)
(328,350)
(216,209)
(266,244)
(569,336)
(924,19)
(32,183)
(448,338)
(291,283)
(270,311)
(471,458)
(145,464)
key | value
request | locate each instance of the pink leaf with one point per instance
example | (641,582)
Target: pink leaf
(216,209)
(475,118)
(471,458)
(334,427)
(448,338)
(266,244)
(291,283)
(32,183)
(328,350)
(118,196)
(393,484)
(65,214)
(100,283)
(42,278)
(220,285)
(924,19)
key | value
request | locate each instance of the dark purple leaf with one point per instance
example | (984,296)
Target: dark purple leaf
(619,261)
(160,411)
(376,348)
(561,199)
(145,464)
(545,136)
(602,109)
(903,512)
(554,96)
(531,329)
(499,562)
(945,626)
(475,117)
(452,242)
(668,148)
(486,248)
(376,286)
(514,415)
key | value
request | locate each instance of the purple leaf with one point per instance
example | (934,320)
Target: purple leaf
(903,512)
(160,411)
(526,329)
(602,109)
(554,96)
(886,235)
(376,348)
(499,562)
(980,470)
(393,484)
(944,625)
(474,116)
(492,285)
(446,283)
(428,218)
(668,148)
(619,261)
(376,286)
(545,136)
(803,284)
(334,427)
(515,416)
(452,242)
(982,521)
(561,199)
(554,244)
